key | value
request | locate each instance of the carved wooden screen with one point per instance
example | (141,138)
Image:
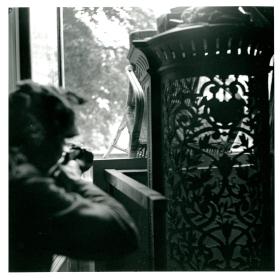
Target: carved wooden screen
(213,159)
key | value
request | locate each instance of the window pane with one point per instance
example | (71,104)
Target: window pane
(43,28)
(96,43)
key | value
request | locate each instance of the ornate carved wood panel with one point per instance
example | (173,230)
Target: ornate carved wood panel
(210,144)
(212,172)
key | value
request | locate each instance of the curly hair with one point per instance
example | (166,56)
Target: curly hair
(37,112)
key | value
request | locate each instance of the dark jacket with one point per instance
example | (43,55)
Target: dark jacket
(63,216)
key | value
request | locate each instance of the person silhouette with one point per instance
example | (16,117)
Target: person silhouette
(51,209)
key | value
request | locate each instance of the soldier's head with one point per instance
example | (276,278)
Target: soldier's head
(40,118)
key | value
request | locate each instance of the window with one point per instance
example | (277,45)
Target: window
(95,43)
(44,58)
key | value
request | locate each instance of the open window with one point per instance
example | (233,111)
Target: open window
(85,50)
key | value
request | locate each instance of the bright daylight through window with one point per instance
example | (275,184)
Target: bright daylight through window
(95,47)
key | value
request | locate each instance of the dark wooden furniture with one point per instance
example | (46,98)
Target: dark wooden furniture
(207,96)
(146,206)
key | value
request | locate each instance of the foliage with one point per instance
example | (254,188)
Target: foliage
(95,68)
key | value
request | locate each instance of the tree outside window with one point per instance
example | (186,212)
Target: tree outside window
(96,42)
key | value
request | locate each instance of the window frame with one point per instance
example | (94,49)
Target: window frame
(24,64)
